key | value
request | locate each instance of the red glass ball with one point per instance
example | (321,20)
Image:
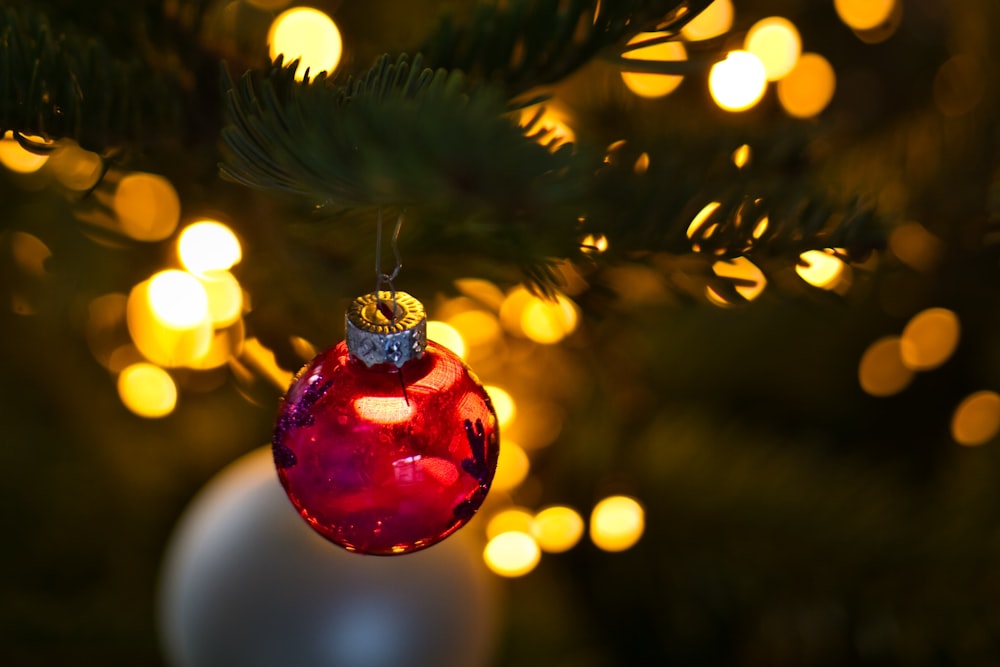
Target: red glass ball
(386,460)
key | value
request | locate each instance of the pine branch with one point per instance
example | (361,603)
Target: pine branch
(524,44)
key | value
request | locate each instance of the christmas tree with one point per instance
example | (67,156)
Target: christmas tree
(726,269)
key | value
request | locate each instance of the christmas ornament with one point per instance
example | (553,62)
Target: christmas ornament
(245,582)
(386,443)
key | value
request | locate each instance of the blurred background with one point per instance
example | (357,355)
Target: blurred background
(782,454)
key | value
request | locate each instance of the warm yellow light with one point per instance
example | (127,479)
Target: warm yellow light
(225,297)
(929,339)
(809,87)
(503,404)
(147,206)
(225,343)
(29,253)
(161,344)
(262,360)
(654,85)
(477,327)
(512,554)
(147,390)
(178,300)
(821,269)
(512,519)
(208,245)
(512,309)
(481,290)
(864,14)
(594,244)
(444,334)
(17,159)
(751,279)
(641,165)
(738,82)
(741,158)
(714,20)
(76,168)
(775,40)
(695,228)
(512,467)
(551,129)
(881,371)
(546,321)
(915,246)
(617,523)
(977,419)
(557,528)
(308,35)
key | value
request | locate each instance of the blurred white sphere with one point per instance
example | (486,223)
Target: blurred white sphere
(246,582)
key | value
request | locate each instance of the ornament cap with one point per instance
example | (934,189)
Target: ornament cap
(386,328)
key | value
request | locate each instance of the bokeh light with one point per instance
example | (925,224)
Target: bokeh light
(444,334)
(881,371)
(477,327)
(654,85)
(916,247)
(738,82)
(977,419)
(208,245)
(929,339)
(29,253)
(308,35)
(17,159)
(74,167)
(147,390)
(512,467)
(749,280)
(741,158)
(225,297)
(864,14)
(551,128)
(808,88)
(511,519)
(503,404)
(959,85)
(548,321)
(178,300)
(822,269)
(557,528)
(714,20)
(617,523)
(594,244)
(147,206)
(775,40)
(512,554)
(164,344)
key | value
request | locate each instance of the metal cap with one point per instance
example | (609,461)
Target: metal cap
(376,335)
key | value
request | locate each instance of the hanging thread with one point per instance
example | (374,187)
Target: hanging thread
(386,279)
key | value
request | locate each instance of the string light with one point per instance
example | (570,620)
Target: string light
(208,245)
(550,129)
(147,390)
(821,269)
(714,20)
(864,14)
(225,297)
(477,328)
(808,88)
(503,404)
(741,158)
(594,244)
(447,335)
(548,321)
(617,523)
(308,35)
(516,519)
(881,371)
(738,82)
(775,40)
(16,158)
(512,554)
(147,206)
(74,167)
(512,467)
(929,339)
(557,528)
(654,85)
(177,299)
(976,420)
(749,280)
(166,333)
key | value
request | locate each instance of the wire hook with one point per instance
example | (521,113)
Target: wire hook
(382,278)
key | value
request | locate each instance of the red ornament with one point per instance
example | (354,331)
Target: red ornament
(390,457)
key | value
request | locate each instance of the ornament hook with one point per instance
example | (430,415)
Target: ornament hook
(382,278)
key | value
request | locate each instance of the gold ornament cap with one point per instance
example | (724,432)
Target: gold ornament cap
(386,328)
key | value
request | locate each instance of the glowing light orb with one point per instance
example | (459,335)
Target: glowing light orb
(617,523)
(929,339)
(514,519)
(208,245)
(147,390)
(147,206)
(775,40)
(308,35)
(594,244)
(976,420)
(225,297)
(654,85)
(512,554)
(809,87)
(446,335)
(547,322)
(512,467)
(821,269)
(178,300)
(503,405)
(17,159)
(714,20)
(864,14)
(741,158)
(738,82)
(751,280)
(881,371)
(557,528)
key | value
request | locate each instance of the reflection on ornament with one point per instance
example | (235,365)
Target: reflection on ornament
(386,443)
(245,582)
